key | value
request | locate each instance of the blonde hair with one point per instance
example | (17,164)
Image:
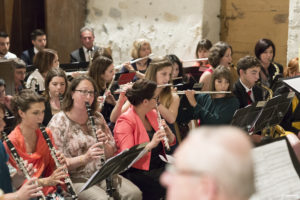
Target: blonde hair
(156,65)
(293,66)
(136,47)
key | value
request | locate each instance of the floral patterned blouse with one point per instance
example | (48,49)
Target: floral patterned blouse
(73,140)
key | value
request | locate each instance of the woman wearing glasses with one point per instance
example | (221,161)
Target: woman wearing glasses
(138,125)
(73,135)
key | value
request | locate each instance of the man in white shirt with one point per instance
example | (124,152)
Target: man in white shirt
(4,47)
(86,52)
(39,41)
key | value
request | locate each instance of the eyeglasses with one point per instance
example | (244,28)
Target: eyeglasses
(171,168)
(86,92)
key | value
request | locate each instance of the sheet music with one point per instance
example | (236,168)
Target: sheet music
(294,83)
(275,175)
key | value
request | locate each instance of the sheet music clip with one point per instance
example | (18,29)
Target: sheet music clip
(116,165)
(245,117)
(273,112)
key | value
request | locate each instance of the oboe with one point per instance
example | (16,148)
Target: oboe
(159,120)
(109,186)
(67,180)
(19,160)
(104,95)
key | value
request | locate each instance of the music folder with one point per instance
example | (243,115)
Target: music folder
(126,78)
(276,171)
(116,165)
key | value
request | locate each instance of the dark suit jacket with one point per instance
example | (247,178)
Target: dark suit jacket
(27,56)
(241,94)
(78,55)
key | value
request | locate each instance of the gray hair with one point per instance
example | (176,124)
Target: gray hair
(223,153)
(87,28)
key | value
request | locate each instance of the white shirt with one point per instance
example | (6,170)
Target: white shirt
(9,56)
(86,54)
(35,77)
(247,90)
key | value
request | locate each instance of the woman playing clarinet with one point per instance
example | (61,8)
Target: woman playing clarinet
(28,141)
(74,135)
(137,125)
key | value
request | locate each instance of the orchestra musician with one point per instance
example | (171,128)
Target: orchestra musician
(102,72)
(219,54)
(214,109)
(265,53)
(73,135)
(137,125)
(177,66)
(28,141)
(29,189)
(140,48)
(19,75)
(56,84)
(8,113)
(44,60)
(202,51)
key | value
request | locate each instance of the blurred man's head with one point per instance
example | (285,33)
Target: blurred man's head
(87,37)
(212,163)
(20,71)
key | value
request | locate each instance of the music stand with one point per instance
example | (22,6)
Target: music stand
(245,117)
(76,66)
(273,112)
(193,71)
(126,78)
(116,165)
(293,83)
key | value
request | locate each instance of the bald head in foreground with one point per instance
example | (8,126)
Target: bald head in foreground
(211,163)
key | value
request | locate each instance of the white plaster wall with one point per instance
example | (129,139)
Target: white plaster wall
(294,30)
(172,26)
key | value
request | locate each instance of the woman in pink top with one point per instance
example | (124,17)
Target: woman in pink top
(139,125)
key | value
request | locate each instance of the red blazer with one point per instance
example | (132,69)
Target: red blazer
(130,131)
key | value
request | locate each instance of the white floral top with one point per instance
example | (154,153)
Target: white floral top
(74,141)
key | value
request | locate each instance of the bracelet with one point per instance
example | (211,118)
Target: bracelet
(81,159)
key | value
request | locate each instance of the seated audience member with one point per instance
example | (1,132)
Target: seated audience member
(19,75)
(140,48)
(4,47)
(29,189)
(219,54)
(138,125)
(212,163)
(202,51)
(56,84)
(214,109)
(6,101)
(80,141)
(265,53)
(245,88)
(39,42)
(44,60)
(86,52)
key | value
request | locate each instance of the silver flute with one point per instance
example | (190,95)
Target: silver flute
(159,120)
(67,180)
(19,160)
(104,95)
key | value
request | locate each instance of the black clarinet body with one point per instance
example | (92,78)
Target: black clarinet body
(67,180)
(109,181)
(19,160)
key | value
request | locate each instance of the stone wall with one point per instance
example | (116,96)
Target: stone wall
(171,26)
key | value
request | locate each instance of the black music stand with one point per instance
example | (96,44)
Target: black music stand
(193,72)
(76,66)
(273,112)
(116,165)
(246,117)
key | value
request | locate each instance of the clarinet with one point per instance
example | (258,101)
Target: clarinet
(60,96)
(109,182)
(67,180)
(159,119)
(19,160)
(104,95)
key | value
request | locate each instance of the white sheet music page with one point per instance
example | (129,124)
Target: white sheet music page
(275,175)
(294,83)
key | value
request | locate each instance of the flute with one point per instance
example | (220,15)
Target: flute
(204,92)
(195,60)
(80,72)
(120,90)
(134,61)
(104,95)
(67,180)
(159,120)
(19,160)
